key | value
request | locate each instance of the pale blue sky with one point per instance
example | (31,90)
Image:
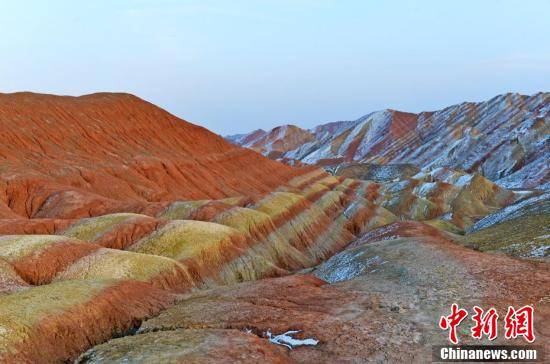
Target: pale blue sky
(234,66)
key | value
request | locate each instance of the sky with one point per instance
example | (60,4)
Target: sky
(235,66)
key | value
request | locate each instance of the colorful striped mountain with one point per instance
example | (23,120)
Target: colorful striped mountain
(129,235)
(506,139)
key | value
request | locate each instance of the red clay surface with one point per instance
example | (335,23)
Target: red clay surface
(80,156)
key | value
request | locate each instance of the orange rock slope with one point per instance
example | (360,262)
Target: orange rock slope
(79,156)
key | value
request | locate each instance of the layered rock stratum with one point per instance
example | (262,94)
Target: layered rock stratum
(76,157)
(129,235)
(506,139)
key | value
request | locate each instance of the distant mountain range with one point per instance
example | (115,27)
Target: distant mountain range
(506,139)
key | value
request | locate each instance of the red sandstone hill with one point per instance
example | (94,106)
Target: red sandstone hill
(71,157)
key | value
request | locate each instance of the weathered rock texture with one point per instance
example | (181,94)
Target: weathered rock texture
(128,235)
(506,139)
(111,207)
(83,156)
